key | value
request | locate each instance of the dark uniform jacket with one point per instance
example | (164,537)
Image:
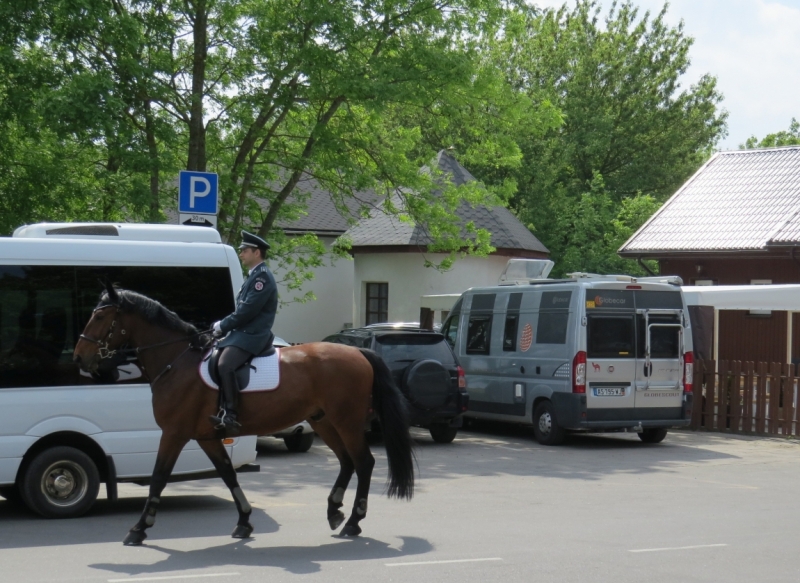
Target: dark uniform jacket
(250,326)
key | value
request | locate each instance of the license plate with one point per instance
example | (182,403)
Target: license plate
(609,392)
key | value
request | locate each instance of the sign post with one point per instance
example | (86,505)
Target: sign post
(198,198)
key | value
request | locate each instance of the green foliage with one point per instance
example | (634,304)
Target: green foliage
(790,137)
(626,119)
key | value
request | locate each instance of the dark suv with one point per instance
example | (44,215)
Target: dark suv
(424,368)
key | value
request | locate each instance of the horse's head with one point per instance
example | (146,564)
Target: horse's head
(104,334)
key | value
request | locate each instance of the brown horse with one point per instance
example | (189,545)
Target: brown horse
(332,386)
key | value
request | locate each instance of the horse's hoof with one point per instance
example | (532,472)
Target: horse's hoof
(242,531)
(134,538)
(336,520)
(350,530)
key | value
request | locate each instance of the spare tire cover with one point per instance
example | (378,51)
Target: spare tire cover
(427,383)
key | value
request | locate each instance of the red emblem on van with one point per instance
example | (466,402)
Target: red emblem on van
(526,339)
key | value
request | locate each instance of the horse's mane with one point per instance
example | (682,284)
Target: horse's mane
(155,313)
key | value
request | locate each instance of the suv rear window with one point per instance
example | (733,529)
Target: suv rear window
(411,347)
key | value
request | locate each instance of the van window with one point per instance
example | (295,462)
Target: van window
(664,342)
(43,309)
(512,323)
(450,330)
(610,336)
(483,302)
(479,334)
(552,328)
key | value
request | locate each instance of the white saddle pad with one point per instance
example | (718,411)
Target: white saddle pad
(264,376)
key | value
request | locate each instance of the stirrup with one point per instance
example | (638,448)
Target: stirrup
(223,421)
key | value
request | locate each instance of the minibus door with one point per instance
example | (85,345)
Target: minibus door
(611,361)
(660,349)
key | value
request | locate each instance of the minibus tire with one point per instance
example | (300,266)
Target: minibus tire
(545,425)
(299,442)
(60,482)
(653,435)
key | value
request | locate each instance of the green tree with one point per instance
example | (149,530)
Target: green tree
(626,119)
(790,137)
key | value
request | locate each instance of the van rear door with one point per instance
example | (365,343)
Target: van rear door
(660,348)
(611,361)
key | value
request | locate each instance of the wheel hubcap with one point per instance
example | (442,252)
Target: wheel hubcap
(545,422)
(64,483)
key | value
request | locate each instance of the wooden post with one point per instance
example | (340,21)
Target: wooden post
(711,383)
(722,394)
(747,404)
(736,396)
(774,398)
(761,397)
(787,399)
(697,396)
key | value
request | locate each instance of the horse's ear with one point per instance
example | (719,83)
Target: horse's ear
(113,296)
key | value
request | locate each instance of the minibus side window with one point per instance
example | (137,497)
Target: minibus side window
(479,334)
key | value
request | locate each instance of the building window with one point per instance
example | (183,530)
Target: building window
(377,303)
(704,282)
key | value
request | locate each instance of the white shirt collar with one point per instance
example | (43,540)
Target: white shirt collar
(256,267)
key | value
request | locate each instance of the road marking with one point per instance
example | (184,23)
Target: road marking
(676,548)
(170,578)
(441,562)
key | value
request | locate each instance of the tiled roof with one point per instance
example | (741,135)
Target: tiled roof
(507,231)
(739,200)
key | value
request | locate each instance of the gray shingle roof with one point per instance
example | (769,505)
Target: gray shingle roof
(739,200)
(507,231)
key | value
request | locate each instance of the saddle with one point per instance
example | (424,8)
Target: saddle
(242,373)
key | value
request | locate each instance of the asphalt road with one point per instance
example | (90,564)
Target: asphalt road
(492,506)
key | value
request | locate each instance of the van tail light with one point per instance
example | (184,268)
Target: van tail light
(579,373)
(688,372)
(462,380)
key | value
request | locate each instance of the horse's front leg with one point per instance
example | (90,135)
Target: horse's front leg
(168,451)
(222,462)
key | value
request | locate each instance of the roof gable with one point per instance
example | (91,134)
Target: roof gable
(507,231)
(739,200)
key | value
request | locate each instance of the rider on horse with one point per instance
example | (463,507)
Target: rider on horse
(248,330)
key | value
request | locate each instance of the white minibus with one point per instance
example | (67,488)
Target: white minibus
(62,431)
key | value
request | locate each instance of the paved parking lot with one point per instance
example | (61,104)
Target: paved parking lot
(493,506)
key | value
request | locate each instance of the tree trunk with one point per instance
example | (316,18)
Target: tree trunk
(152,151)
(197,128)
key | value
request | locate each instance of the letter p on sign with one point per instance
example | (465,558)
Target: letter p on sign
(197,192)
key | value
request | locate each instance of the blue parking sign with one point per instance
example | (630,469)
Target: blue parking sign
(197,192)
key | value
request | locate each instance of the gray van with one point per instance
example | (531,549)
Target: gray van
(588,353)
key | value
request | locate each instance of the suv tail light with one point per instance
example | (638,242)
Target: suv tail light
(688,372)
(462,380)
(579,373)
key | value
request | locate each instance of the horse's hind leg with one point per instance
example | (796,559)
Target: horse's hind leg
(331,438)
(358,450)
(222,462)
(168,451)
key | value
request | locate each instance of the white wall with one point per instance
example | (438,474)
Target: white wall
(408,279)
(312,321)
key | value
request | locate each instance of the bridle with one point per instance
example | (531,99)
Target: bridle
(103,349)
(104,352)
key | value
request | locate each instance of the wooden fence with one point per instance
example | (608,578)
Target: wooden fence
(746,397)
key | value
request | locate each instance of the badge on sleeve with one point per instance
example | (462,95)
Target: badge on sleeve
(259,285)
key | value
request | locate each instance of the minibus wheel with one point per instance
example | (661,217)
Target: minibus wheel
(545,425)
(60,482)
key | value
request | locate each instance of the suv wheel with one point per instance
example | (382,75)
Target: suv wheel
(60,482)
(428,384)
(299,442)
(442,433)
(653,435)
(545,425)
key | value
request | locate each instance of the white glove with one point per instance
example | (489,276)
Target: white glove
(217,329)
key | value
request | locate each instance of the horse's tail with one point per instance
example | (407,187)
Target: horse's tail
(390,406)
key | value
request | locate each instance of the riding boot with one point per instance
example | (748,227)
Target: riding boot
(227,418)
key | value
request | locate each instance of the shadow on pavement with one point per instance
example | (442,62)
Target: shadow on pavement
(295,559)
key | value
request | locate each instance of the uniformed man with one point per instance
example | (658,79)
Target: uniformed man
(248,331)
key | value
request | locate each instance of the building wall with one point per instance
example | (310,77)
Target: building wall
(734,270)
(755,338)
(329,313)
(408,279)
